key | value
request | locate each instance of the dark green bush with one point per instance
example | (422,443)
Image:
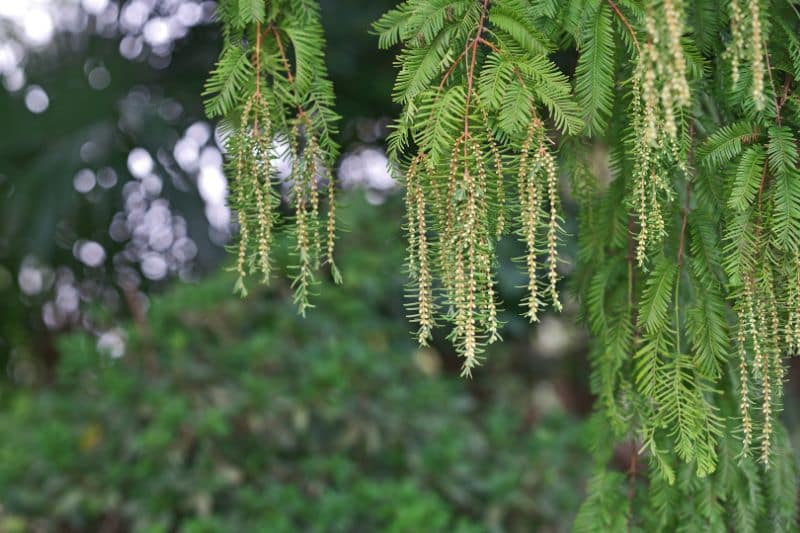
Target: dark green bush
(237,415)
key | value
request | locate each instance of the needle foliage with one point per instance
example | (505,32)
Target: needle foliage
(675,125)
(271,87)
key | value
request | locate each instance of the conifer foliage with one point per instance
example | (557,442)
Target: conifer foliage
(478,92)
(687,266)
(688,260)
(271,86)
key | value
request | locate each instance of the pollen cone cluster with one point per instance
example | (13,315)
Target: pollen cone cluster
(455,211)
(255,197)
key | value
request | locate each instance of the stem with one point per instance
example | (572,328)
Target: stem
(471,71)
(629,258)
(490,44)
(785,96)
(285,59)
(258,60)
(450,71)
(772,82)
(626,23)
(680,262)
(683,224)
(762,185)
(282,51)
(495,49)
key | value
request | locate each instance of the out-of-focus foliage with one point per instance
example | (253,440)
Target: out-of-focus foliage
(149,103)
(230,415)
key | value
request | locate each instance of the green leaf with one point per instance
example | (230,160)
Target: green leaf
(224,88)
(782,150)
(726,143)
(786,215)
(594,85)
(508,19)
(707,329)
(515,112)
(606,508)
(419,67)
(551,87)
(309,61)
(658,294)
(390,26)
(747,180)
(495,78)
(251,11)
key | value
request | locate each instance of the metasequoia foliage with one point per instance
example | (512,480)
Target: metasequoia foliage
(479,96)
(678,132)
(271,86)
(688,260)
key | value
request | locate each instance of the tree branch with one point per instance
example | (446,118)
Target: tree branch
(626,23)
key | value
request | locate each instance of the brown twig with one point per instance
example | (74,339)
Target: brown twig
(282,50)
(258,60)
(626,23)
(495,49)
(471,71)
(450,71)
(683,223)
(785,96)
(772,82)
(285,59)
(490,44)
(761,187)
(688,198)
(470,74)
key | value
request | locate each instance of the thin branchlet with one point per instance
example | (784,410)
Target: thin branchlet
(756,54)
(272,100)
(736,48)
(549,165)
(660,93)
(529,217)
(462,134)
(418,250)
(480,103)
(744,389)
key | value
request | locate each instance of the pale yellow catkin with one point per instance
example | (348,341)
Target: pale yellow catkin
(311,155)
(262,184)
(744,391)
(411,218)
(331,222)
(756,316)
(299,177)
(757,55)
(241,168)
(418,251)
(469,234)
(552,225)
(674,21)
(737,40)
(529,215)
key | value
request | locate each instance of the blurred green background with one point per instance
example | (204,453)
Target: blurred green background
(140,395)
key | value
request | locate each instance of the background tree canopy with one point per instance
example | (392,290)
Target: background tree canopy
(141,395)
